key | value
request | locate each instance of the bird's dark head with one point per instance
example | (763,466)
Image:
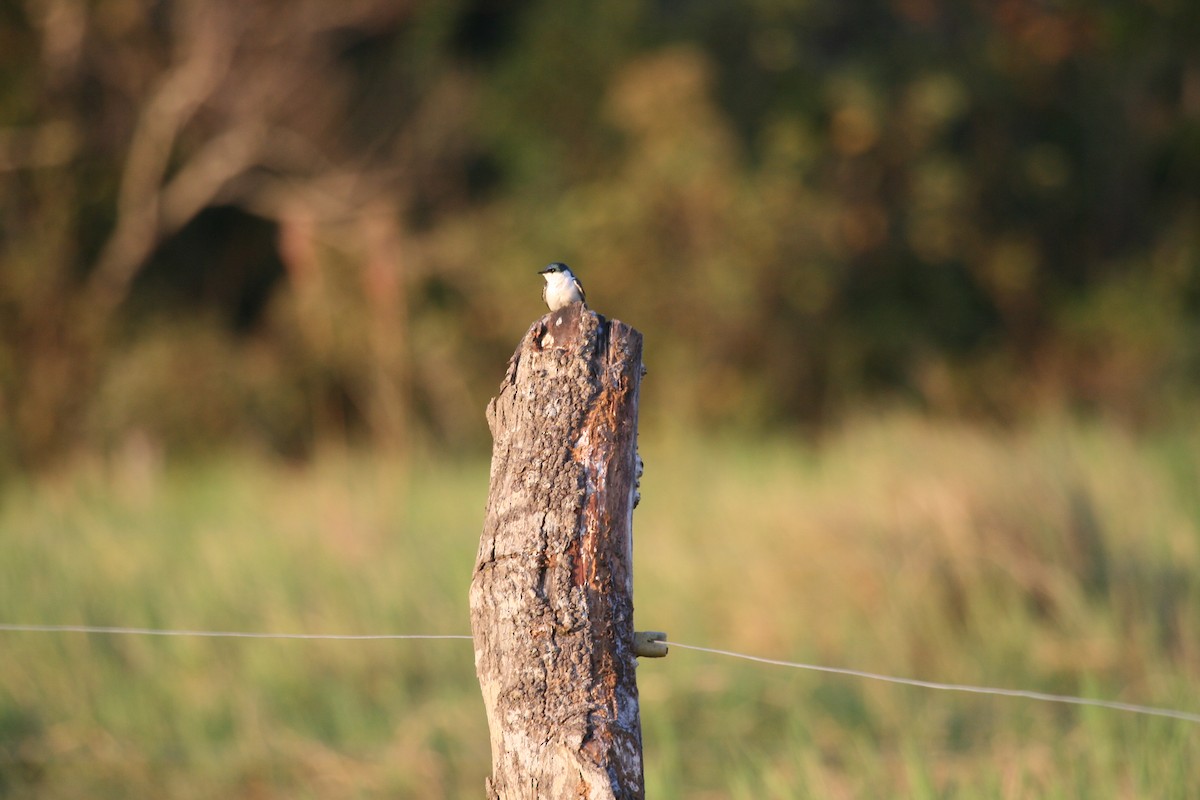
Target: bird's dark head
(556,267)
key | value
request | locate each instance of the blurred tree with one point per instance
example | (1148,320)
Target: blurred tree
(981,208)
(134,117)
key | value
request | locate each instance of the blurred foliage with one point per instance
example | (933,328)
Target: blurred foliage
(282,222)
(1061,558)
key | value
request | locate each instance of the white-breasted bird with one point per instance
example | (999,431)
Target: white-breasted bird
(562,287)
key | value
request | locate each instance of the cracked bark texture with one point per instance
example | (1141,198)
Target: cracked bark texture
(552,593)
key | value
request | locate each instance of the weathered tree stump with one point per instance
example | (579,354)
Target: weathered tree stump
(552,594)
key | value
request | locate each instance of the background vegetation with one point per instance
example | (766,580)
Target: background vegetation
(1063,559)
(926,275)
(282,223)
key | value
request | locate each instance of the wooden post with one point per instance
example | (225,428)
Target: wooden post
(552,594)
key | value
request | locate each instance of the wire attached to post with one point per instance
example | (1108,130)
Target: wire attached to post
(650,644)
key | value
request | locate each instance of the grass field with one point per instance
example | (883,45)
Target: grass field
(1062,558)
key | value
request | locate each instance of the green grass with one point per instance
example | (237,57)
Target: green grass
(1064,558)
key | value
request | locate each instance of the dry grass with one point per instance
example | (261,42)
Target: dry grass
(1061,558)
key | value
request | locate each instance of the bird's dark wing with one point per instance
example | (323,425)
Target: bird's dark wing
(582,294)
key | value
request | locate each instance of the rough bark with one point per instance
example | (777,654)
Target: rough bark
(552,594)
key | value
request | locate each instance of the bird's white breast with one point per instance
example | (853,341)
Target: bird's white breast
(560,291)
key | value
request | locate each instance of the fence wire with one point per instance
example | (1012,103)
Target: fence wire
(121,631)
(1113,705)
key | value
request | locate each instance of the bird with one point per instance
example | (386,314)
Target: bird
(562,287)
